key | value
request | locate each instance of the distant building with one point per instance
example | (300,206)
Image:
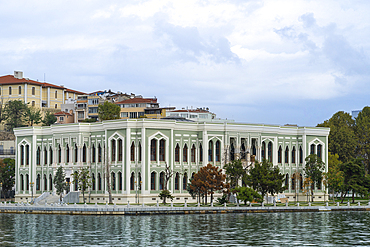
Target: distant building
(64,117)
(39,94)
(198,114)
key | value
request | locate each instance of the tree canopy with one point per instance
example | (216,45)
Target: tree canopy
(14,114)
(265,178)
(7,173)
(83,179)
(60,182)
(234,172)
(362,130)
(108,111)
(314,169)
(334,177)
(49,119)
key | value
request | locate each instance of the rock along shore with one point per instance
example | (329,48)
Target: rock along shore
(81,209)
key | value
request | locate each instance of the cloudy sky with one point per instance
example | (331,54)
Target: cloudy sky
(268,61)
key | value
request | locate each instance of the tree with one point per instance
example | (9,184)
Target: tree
(208,180)
(355,179)
(108,111)
(32,116)
(234,172)
(342,138)
(265,178)
(7,174)
(314,170)
(59,182)
(246,194)
(49,119)
(89,120)
(362,131)
(334,177)
(83,179)
(165,193)
(14,113)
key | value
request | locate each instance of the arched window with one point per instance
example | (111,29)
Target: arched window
(162,144)
(210,151)
(139,177)
(177,181)
(185,153)
(38,182)
(119,180)
(20,90)
(99,153)
(50,156)
(279,154)
(67,153)
(84,153)
(38,159)
(200,152)
(300,155)
(242,151)
(152,181)
(120,150)
(263,150)
(153,150)
(287,181)
(286,155)
(76,153)
(45,182)
(50,182)
(139,154)
(56,94)
(293,182)
(192,153)
(45,156)
(113,176)
(27,182)
(93,181)
(10,90)
(93,153)
(33,90)
(133,151)
(75,181)
(132,181)
(293,155)
(269,152)
(177,153)
(59,154)
(185,181)
(312,149)
(22,155)
(99,182)
(218,151)
(232,151)
(27,154)
(300,181)
(161,181)
(319,148)
(113,150)
(22,182)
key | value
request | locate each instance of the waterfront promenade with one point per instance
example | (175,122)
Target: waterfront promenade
(105,209)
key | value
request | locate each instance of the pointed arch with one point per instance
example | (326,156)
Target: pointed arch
(293,155)
(185,181)
(210,151)
(153,181)
(177,153)
(286,155)
(185,153)
(153,150)
(132,151)
(67,154)
(200,152)
(218,151)
(192,152)
(280,153)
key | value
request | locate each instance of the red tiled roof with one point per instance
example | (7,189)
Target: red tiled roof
(10,79)
(62,113)
(137,100)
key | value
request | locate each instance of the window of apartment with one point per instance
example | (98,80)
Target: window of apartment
(33,103)
(0,91)
(20,90)
(56,94)
(61,119)
(140,114)
(56,106)
(10,90)
(33,90)
(133,114)
(93,109)
(80,114)
(124,114)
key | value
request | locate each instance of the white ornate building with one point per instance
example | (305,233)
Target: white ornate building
(135,153)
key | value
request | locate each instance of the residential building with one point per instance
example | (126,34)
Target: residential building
(197,114)
(135,153)
(137,106)
(64,117)
(39,94)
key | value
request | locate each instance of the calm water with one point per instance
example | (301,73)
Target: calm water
(285,229)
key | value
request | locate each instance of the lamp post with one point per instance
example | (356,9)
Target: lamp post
(31,183)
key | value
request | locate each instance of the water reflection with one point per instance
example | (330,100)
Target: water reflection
(293,229)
